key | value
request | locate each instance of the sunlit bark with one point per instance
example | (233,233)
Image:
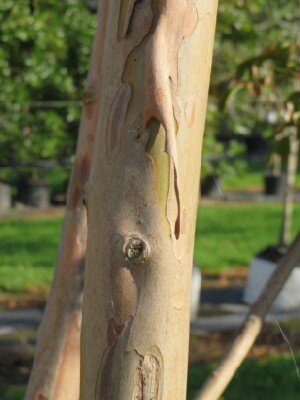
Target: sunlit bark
(142,198)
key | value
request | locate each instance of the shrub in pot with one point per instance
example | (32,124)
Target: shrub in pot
(5,196)
(33,188)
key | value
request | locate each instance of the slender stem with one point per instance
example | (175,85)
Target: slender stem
(56,369)
(290,187)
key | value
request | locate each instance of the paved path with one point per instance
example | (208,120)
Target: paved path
(20,320)
(29,318)
(234,320)
(247,196)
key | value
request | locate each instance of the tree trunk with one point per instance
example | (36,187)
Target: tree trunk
(290,187)
(55,374)
(142,198)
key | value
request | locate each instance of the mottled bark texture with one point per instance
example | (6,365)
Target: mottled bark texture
(55,374)
(142,198)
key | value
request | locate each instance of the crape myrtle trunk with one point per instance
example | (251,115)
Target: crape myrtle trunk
(55,374)
(142,198)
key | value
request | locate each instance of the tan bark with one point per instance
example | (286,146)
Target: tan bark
(142,199)
(55,374)
(292,166)
(215,385)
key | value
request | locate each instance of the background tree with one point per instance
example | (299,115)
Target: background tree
(250,75)
(43,62)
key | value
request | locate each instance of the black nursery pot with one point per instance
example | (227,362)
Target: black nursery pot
(274,185)
(35,194)
(5,196)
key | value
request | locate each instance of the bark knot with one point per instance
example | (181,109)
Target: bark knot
(136,249)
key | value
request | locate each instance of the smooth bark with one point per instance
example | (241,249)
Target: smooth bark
(142,198)
(55,374)
(215,385)
(292,165)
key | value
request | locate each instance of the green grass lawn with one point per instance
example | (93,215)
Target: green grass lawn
(227,235)
(272,379)
(27,252)
(252,176)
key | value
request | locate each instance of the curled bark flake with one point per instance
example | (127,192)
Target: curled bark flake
(161,167)
(116,119)
(161,78)
(178,221)
(126,16)
(114,331)
(126,9)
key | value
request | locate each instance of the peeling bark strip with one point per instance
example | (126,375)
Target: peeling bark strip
(147,376)
(55,373)
(116,119)
(142,196)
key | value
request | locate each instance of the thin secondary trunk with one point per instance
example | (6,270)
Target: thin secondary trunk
(215,385)
(55,374)
(290,187)
(142,199)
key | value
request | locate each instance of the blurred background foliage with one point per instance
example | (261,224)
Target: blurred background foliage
(44,52)
(255,67)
